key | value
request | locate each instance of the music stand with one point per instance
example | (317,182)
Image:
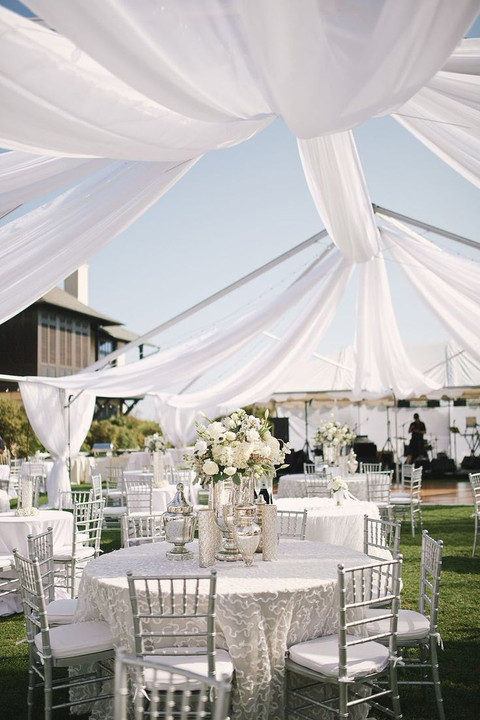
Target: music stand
(454,429)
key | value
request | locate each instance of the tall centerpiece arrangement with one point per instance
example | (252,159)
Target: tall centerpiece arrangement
(156,445)
(228,456)
(334,437)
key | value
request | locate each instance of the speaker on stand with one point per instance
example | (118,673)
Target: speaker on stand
(280,428)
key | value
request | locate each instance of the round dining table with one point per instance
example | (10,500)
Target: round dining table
(293,485)
(261,610)
(328,522)
(14,529)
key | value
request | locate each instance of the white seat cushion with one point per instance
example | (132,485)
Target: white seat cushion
(61,611)
(76,639)
(402,500)
(412,625)
(321,655)
(192,662)
(6,562)
(114,510)
(64,554)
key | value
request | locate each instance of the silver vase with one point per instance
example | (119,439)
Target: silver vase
(222,502)
(246,532)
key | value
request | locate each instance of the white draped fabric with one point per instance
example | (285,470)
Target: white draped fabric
(381,359)
(451,303)
(61,421)
(335,178)
(174,81)
(49,243)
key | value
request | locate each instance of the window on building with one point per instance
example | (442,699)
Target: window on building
(64,344)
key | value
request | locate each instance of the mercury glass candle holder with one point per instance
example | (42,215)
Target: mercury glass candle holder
(179,522)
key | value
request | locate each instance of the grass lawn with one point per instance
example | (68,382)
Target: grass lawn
(459,624)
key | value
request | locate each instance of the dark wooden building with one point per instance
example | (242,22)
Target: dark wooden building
(59,335)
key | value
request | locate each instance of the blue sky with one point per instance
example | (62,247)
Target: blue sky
(241,207)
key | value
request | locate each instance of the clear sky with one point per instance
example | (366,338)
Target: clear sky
(241,207)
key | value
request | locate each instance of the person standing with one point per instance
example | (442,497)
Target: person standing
(416,449)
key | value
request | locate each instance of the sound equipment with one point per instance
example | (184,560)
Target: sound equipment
(441,465)
(280,428)
(365,450)
(470,462)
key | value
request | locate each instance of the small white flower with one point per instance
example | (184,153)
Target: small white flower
(201,447)
(230,470)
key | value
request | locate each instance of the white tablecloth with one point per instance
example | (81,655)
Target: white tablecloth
(81,470)
(14,529)
(13,534)
(294,485)
(261,610)
(326,522)
(4,501)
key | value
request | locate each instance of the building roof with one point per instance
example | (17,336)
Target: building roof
(62,299)
(118,332)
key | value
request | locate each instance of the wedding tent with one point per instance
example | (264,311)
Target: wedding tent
(163,83)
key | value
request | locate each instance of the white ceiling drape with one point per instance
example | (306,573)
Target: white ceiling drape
(161,84)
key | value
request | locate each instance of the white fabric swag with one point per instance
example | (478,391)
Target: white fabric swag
(54,240)
(61,422)
(180,98)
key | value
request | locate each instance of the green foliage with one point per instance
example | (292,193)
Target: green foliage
(15,428)
(124,431)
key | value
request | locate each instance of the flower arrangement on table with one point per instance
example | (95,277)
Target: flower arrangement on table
(26,511)
(155,443)
(236,446)
(336,484)
(334,433)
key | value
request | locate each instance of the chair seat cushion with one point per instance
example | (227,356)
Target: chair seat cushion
(61,611)
(192,662)
(114,510)
(412,625)
(321,655)
(76,639)
(6,562)
(403,500)
(64,554)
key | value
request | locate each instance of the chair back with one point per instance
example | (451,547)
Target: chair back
(292,524)
(475,486)
(174,611)
(316,485)
(68,498)
(96,481)
(430,571)
(381,537)
(370,467)
(140,529)
(362,588)
(171,692)
(379,486)
(34,604)
(40,547)
(114,483)
(308,468)
(87,525)
(413,484)
(407,469)
(138,495)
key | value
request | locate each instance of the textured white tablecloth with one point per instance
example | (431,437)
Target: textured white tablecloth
(326,522)
(4,501)
(14,530)
(261,610)
(294,485)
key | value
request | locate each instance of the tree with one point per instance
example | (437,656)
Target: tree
(15,428)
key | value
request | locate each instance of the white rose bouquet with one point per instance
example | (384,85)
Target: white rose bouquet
(334,433)
(234,447)
(337,483)
(155,443)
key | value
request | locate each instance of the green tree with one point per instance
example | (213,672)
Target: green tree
(124,431)
(15,428)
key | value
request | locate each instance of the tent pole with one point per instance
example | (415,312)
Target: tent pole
(425,226)
(208,301)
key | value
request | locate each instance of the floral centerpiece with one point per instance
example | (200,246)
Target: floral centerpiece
(237,446)
(339,488)
(229,455)
(334,433)
(155,443)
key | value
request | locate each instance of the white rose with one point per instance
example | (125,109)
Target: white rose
(201,447)
(229,435)
(252,435)
(210,467)
(230,470)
